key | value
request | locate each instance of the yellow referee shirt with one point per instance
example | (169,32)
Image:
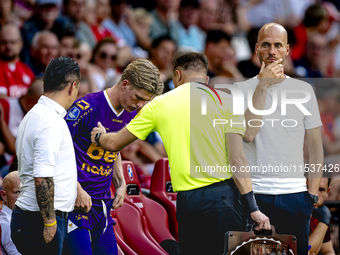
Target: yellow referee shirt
(192,121)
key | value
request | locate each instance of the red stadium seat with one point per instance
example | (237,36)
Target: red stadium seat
(129,230)
(161,191)
(120,252)
(155,216)
(120,238)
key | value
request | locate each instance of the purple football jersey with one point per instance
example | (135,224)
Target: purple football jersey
(94,164)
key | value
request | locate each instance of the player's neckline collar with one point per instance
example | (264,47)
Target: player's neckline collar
(111,105)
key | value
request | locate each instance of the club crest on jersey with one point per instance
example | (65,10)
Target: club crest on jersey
(129,169)
(73,113)
(26,79)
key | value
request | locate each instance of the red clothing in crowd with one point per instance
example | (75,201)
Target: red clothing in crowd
(299,48)
(100,32)
(15,78)
(327,119)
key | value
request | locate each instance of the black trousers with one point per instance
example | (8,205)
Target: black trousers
(27,233)
(289,214)
(204,215)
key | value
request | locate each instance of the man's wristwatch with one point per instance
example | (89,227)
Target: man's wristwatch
(314,198)
(97,138)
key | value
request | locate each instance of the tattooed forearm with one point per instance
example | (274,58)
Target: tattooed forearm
(44,189)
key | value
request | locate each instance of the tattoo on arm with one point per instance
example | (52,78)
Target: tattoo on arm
(44,189)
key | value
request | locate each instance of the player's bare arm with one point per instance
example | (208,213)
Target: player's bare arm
(119,183)
(268,76)
(112,141)
(44,189)
(314,142)
(243,179)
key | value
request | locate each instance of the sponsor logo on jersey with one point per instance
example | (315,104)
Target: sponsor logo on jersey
(129,169)
(26,79)
(73,113)
(83,105)
(119,121)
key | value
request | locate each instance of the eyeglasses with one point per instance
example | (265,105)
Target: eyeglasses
(103,55)
(76,56)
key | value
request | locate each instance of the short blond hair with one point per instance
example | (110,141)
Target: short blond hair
(142,74)
(141,14)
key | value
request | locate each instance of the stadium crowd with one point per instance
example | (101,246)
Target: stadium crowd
(105,36)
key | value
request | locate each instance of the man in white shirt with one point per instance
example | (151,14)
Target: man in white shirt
(47,166)
(9,193)
(273,141)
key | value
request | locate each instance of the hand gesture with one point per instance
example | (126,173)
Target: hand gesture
(83,200)
(271,74)
(49,233)
(99,129)
(119,197)
(261,219)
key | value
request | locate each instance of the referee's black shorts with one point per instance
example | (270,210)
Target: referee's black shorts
(205,214)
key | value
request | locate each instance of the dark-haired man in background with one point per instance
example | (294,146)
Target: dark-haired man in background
(15,76)
(162,55)
(221,55)
(208,204)
(47,166)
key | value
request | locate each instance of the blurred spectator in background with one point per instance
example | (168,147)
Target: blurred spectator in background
(9,194)
(251,67)
(7,16)
(320,237)
(98,32)
(316,20)
(162,55)
(189,34)
(207,16)
(15,76)
(12,112)
(227,18)
(67,42)
(256,13)
(45,47)
(103,10)
(117,24)
(217,42)
(310,63)
(23,9)
(81,53)
(45,17)
(103,61)
(296,11)
(327,92)
(76,11)
(84,88)
(140,20)
(161,23)
(221,55)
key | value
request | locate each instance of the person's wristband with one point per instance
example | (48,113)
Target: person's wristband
(97,138)
(249,201)
(51,224)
